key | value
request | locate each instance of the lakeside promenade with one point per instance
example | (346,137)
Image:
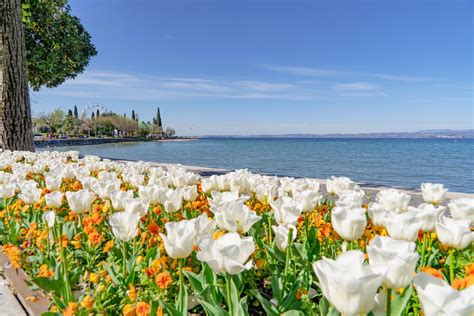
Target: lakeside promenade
(47,143)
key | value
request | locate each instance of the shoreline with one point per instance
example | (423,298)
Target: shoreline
(367,187)
(50,143)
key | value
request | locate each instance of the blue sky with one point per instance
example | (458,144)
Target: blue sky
(276,67)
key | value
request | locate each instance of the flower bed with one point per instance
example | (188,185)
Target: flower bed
(103,237)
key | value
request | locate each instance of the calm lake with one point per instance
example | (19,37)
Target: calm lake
(395,162)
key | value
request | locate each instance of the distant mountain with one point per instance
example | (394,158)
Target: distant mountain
(445,133)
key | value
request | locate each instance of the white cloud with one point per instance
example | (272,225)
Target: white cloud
(355,86)
(324,72)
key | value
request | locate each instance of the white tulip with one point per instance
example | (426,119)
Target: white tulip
(437,297)
(30,195)
(210,184)
(228,254)
(204,227)
(189,193)
(233,216)
(307,200)
(54,199)
(403,226)
(398,256)
(53,183)
(336,185)
(454,233)
(7,190)
(433,193)
(137,206)
(222,197)
(281,235)
(180,238)
(265,192)
(348,284)
(124,225)
(351,199)
(393,200)
(173,200)
(150,193)
(80,201)
(50,218)
(285,211)
(377,214)
(103,188)
(118,199)
(462,208)
(428,214)
(349,223)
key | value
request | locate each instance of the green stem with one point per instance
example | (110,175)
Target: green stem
(389,301)
(181,287)
(228,295)
(423,250)
(288,254)
(124,261)
(451,266)
(69,296)
(269,230)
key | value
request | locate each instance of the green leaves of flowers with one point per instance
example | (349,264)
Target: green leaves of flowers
(400,301)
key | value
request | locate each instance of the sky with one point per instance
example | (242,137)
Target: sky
(277,67)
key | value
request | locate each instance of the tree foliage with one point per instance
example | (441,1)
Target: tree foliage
(58,46)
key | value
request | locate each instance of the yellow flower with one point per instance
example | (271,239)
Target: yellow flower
(129,310)
(94,277)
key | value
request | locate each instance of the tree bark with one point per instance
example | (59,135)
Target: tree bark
(15,112)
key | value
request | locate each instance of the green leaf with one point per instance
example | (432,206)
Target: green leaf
(182,302)
(267,306)
(277,287)
(401,301)
(213,310)
(112,274)
(49,285)
(195,281)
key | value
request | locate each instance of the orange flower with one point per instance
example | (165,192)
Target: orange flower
(108,245)
(163,280)
(153,228)
(143,309)
(71,309)
(13,253)
(132,292)
(469,268)
(87,302)
(434,272)
(95,238)
(45,271)
(461,284)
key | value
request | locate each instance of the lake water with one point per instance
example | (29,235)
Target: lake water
(394,162)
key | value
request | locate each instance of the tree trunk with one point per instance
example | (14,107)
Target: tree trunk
(15,113)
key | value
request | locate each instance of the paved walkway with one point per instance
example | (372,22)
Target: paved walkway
(9,305)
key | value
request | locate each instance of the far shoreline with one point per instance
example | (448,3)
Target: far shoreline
(51,143)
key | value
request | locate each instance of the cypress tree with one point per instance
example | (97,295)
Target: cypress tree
(97,113)
(69,112)
(92,116)
(158,118)
(133,115)
(76,114)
